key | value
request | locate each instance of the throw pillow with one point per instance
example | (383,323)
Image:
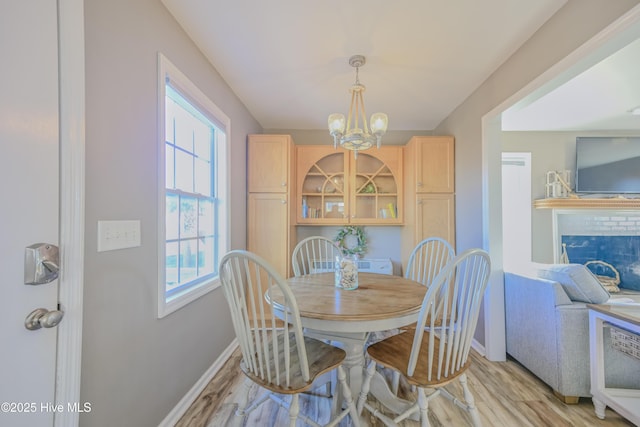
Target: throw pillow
(577,281)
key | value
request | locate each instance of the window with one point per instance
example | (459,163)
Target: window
(193,203)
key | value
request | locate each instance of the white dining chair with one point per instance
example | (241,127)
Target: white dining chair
(427,259)
(275,353)
(431,357)
(425,262)
(314,249)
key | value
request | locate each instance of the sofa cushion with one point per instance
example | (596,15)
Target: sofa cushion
(577,281)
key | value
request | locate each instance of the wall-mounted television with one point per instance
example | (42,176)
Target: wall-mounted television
(609,165)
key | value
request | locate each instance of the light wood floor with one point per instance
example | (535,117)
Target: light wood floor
(507,395)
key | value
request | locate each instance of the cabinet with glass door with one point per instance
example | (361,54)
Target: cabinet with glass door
(336,187)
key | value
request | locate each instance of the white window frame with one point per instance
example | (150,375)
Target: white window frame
(170,73)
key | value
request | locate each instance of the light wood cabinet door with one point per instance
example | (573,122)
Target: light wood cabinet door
(376,186)
(335,187)
(322,185)
(435,217)
(268,229)
(269,162)
(433,157)
(429,189)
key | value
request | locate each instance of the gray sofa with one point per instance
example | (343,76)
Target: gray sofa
(547,330)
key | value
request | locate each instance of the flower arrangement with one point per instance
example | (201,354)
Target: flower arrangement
(352,240)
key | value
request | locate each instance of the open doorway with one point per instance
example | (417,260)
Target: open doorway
(610,40)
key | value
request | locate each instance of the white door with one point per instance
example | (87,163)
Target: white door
(29,175)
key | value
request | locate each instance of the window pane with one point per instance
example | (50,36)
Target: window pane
(202,141)
(188,217)
(184,171)
(203,177)
(171,263)
(188,255)
(205,222)
(172,219)
(184,129)
(170,107)
(169,171)
(206,256)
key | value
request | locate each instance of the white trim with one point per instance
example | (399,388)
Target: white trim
(181,408)
(72,200)
(166,70)
(613,37)
(477,346)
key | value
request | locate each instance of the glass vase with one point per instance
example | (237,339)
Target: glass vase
(346,272)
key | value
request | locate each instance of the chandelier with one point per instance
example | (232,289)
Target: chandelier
(354,137)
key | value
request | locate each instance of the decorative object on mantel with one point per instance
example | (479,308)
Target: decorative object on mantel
(352,240)
(610,283)
(357,138)
(559,185)
(564,257)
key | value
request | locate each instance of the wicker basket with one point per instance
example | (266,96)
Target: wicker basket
(610,283)
(625,341)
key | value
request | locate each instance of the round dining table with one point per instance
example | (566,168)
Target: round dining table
(347,317)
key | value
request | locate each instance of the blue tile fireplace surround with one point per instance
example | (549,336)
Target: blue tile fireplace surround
(623,252)
(608,235)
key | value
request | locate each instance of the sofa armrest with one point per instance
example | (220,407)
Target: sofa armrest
(531,324)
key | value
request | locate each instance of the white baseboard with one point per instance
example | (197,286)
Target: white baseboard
(478,347)
(179,410)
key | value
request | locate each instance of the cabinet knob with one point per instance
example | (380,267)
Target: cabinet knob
(283,183)
(284,202)
(419,184)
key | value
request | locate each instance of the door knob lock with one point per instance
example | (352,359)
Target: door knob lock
(43,318)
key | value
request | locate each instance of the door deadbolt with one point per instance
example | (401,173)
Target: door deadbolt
(41,263)
(43,318)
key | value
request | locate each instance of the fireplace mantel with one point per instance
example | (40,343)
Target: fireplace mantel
(585,203)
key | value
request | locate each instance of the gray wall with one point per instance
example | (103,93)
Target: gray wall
(570,27)
(136,367)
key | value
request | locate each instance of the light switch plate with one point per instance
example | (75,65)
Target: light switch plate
(114,235)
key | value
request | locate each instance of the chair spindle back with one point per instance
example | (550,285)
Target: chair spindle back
(450,312)
(314,248)
(266,341)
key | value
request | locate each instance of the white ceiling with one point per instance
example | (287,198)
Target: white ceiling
(599,99)
(287,60)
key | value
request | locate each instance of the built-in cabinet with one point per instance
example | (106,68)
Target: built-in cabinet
(336,187)
(289,185)
(270,228)
(430,191)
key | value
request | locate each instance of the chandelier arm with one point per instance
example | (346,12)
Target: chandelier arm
(365,126)
(353,112)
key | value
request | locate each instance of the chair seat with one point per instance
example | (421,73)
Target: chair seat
(394,353)
(321,357)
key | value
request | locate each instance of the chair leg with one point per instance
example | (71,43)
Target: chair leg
(471,404)
(395,382)
(423,403)
(294,408)
(366,384)
(244,397)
